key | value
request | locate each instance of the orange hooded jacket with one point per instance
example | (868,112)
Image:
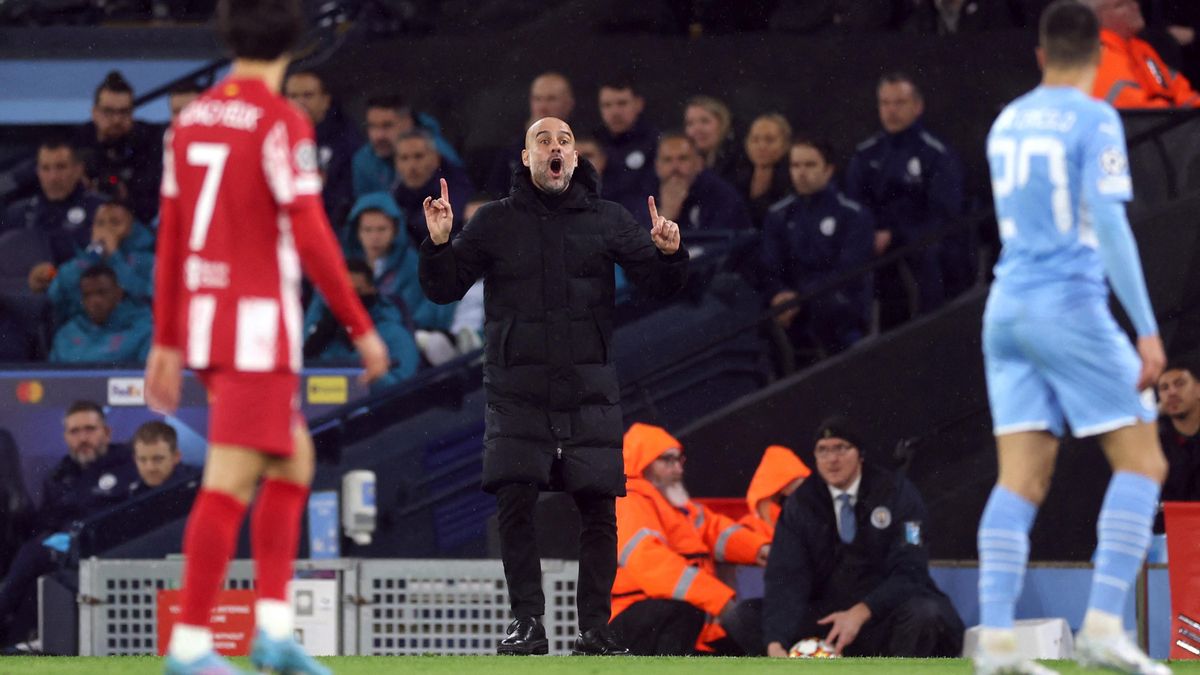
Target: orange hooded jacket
(670,553)
(1132,75)
(779,466)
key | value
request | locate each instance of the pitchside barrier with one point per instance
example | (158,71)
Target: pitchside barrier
(391,607)
(384,607)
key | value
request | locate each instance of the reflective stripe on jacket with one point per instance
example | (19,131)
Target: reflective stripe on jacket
(669,553)
(1133,75)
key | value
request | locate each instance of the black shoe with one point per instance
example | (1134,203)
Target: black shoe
(598,642)
(525,637)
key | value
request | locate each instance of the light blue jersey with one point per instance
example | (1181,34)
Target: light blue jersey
(1060,177)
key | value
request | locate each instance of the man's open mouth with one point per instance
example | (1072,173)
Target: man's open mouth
(556,166)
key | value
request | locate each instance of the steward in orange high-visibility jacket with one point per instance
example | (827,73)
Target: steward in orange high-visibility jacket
(778,475)
(1133,75)
(667,597)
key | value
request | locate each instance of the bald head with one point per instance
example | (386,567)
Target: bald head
(551,126)
(550,96)
(550,154)
(1123,17)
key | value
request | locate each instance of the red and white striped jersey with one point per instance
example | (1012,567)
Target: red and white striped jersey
(241,211)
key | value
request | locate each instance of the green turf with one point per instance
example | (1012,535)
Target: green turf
(496,665)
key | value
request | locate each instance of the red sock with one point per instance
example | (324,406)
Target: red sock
(208,544)
(275,535)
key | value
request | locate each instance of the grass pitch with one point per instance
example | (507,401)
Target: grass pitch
(511,665)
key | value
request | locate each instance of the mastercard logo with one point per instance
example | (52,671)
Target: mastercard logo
(30,391)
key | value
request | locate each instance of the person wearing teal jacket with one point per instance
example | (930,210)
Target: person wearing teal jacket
(120,243)
(110,329)
(326,341)
(374,164)
(376,232)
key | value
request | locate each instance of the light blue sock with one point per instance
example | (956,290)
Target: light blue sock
(1003,554)
(1123,531)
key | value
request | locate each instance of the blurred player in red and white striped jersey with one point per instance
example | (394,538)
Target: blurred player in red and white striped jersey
(241,215)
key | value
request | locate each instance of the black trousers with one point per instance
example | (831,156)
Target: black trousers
(522,565)
(17,613)
(923,626)
(670,628)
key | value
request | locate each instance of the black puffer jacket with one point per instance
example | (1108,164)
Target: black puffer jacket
(548,299)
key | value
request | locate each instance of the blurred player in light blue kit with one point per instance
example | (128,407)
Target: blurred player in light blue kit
(1054,355)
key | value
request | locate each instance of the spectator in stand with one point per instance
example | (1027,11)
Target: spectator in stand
(629,143)
(849,561)
(778,475)
(1179,432)
(93,476)
(158,460)
(550,95)
(121,154)
(337,139)
(419,168)
(327,341)
(591,150)
(388,118)
(667,599)
(807,16)
(182,94)
(377,229)
(62,208)
(813,236)
(1182,19)
(950,17)
(912,184)
(708,122)
(467,324)
(692,195)
(1132,74)
(118,242)
(764,180)
(110,329)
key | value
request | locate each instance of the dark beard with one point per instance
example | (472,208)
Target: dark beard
(553,190)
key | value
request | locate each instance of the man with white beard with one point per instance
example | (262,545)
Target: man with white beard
(667,599)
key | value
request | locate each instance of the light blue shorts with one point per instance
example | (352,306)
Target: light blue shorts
(1078,366)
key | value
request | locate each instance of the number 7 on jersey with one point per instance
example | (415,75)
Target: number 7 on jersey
(212,157)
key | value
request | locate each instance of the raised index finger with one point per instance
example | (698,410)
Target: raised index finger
(653,211)
(445,192)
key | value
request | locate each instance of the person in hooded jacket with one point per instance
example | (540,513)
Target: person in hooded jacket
(778,475)
(376,233)
(326,341)
(547,254)
(118,241)
(667,599)
(110,329)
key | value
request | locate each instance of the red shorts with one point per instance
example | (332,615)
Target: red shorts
(253,410)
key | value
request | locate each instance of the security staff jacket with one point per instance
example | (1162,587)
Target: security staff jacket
(1133,75)
(667,552)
